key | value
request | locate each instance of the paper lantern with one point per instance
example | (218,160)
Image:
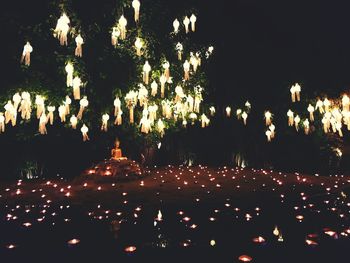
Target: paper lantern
(268,135)
(297,89)
(146,71)
(16,100)
(197,102)
(212,110)
(79,48)
(138,46)
(190,103)
(84,130)
(122,23)
(154,88)
(244,117)
(115,36)
(311,110)
(2,123)
(73,121)
(105,119)
(152,113)
(67,102)
(26,106)
(193,117)
(238,113)
(40,106)
(187,70)
(345,102)
(62,113)
(42,124)
(160,127)
(145,125)
(193,20)
(166,67)
(131,100)
(186,22)
(319,106)
(228,111)
(143,96)
(117,106)
(268,118)
(62,29)
(50,116)
(179,49)
(306,125)
(176,25)
(136,5)
(205,120)
(83,104)
(290,115)
(326,104)
(272,128)
(248,105)
(194,62)
(27,49)
(69,70)
(162,81)
(339,129)
(118,119)
(179,93)
(296,122)
(292,93)
(76,88)
(10,113)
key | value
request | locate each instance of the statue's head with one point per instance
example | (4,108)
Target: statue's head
(117,143)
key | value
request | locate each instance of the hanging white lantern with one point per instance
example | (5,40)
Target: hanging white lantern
(84,130)
(122,23)
(115,36)
(212,110)
(297,89)
(138,46)
(40,106)
(105,118)
(145,125)
(153,113)
(197,101)
(190,103)
(186,22)
(160,127)
(179,93)
(193,20)
(62,113)
(339,129)
(50,116)
(26,54)
(154,88)
(311,110)
(268,135)
(176,25)
(319,106)
(166,67)
(131,101)
(2,122)
(162,81)
(73,121)
(83,104)
(194,62)
(179,49)
(306,125)
(296,122)
(290,115)
(244,117)
(228,111)
(205,120)
(16,100)
(117,106)
(62,29)
(136,5)
(292,93)
(119,119)
(187,70)
(79,48)
(238,113)
(76,88)
(326,104)
(345,102)
(272,128)
(143,96)
(146,71)
(69,70)
(10,113)
(67,103)
(42,124)
(26,106)
(268,118)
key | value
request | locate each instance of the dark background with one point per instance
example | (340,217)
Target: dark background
(261,48)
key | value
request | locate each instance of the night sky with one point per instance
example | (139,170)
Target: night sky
(261,46)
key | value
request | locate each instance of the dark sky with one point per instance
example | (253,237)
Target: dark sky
(261,46)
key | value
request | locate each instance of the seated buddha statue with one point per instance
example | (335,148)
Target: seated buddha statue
(116,151)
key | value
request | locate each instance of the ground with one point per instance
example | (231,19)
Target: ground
(178,213)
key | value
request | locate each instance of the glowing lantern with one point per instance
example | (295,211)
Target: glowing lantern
(176,25)
(162,81)
(2,122)
(228,111)
(62,29)
(238,113)
(69,69)
(296,122)
(179,93)
(245,258)
(244,117)
(319,106)
(311,110)
(105,118)
(76,88)
(62,113)
(166,66)
(345,102)
(205,120)
(118,119)
(276,232)
(154,88)
(268,118)
(67,102)
(197,99)
(194,62)
(117,106)
(186,22)
(73,121)
(26,54)
(187,70)
(193,20)
(272,128)
(79,48)
(292,93)
(179,49)
(83,104)
(10,113)
(146,71)
(297,90)
(326,104)
(190,102)
(50,109)
(143,95)
(26,106)
(145,125)
(153,113)
(40,105)
(42,124)
(290,115)
(16,100)
(306,125)
(193,117)
(122,23)
(138,46)
(268,135)
(115,36)
(339,128)
(136,5)
(212,110)
(84,130)
(131,100)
